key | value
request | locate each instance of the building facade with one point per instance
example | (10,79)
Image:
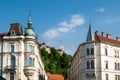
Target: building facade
(20,56)
(97,59)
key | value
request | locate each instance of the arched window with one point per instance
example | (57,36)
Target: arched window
(92,64)
(88,64)
(13,60)
(30,62)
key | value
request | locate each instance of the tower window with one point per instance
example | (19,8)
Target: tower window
(12,48)
(87,51)
(92,51)
(13,60)
(11,76)
(31,48)
(12,33)
(30,62)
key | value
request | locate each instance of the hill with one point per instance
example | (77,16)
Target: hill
(54,62)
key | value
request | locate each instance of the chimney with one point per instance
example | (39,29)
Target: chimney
(108,36)
(96,32)
(118,38)
(103,34)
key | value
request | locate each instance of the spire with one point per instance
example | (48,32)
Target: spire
(90,36)
(30,20)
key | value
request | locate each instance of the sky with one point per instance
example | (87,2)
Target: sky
(63,23)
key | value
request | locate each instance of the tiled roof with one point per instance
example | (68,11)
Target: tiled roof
(55,76)
(17,28)
(101,38)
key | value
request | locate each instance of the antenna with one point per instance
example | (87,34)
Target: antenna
(90,20)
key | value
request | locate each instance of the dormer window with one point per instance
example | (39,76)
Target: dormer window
(12,33)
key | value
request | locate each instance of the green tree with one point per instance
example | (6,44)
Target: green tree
(54,62)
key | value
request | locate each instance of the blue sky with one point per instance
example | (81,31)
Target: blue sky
(63,22)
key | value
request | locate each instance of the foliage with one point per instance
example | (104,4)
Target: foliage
(54,62)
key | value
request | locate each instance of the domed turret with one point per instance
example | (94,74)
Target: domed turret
(29,31)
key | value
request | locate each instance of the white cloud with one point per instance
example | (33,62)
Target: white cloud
(65,26)
(102,9)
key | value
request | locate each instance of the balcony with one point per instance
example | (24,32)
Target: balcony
(29,71)
(11,68)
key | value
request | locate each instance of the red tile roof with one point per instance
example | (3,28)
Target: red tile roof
(55,76)
(101,38)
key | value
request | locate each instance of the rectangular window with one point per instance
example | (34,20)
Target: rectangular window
(31,48)
(115,77)
(106,76)
(116,54)
(87,51)
(106,64)
(11,76)
(12,48)
(92,51)
(106,52)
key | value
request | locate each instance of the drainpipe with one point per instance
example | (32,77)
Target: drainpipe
(1,56)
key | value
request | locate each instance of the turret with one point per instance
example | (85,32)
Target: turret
(29,31)
(90,36)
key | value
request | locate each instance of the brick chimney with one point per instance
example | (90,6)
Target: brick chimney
(103,34)
(118,38)
(96,32)
(108,36)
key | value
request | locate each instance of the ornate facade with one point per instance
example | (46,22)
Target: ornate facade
(20,55)
(97,59)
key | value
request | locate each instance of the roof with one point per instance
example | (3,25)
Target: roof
(55,76)
(90,36)
(16,28)
(101,38)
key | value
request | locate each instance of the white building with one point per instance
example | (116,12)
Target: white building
(97,59)
(19,54)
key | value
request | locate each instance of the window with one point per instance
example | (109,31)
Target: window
(92,64)
(88,65)
(115,77)
(30,62)
(106,76)
(106,52)
(87,51)
(115,66)
(92,51)
(116,54)
(12,33)
(13,60)
(12,48)
(11,76)
(31,48)
(106,64)
(87,75)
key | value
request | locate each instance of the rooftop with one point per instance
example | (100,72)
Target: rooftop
(55,76)
(107,39)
